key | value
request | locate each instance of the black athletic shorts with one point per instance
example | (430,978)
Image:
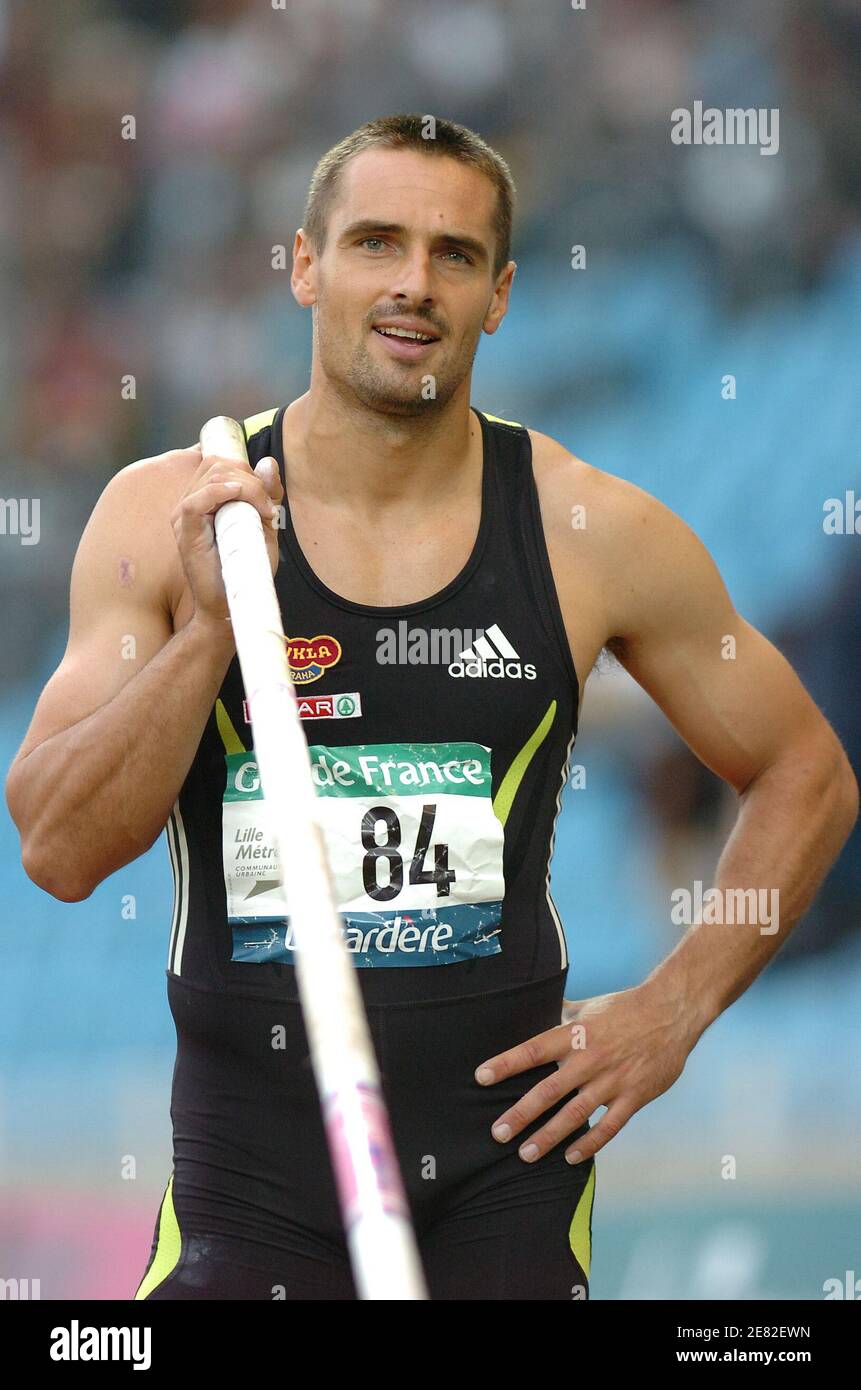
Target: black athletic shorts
(251,1210)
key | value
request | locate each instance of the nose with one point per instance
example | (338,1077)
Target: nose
(412,277)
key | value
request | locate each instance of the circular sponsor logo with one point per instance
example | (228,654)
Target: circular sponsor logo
(309,657)
(313,651)
(345,705)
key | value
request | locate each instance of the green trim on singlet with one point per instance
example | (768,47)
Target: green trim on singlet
(580,1230)
(510,783)
(168,1247)
(499,420)
(229,737)
(258,421)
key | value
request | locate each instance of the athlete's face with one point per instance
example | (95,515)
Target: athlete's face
(410,244)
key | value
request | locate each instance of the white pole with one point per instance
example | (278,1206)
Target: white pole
(380,1237)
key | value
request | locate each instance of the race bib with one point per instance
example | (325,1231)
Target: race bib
(414,847)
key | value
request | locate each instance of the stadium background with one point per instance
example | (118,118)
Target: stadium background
(152,257)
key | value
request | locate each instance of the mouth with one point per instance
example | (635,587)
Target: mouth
(406,344)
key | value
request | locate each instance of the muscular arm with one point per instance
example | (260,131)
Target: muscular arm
(119,722)
(636,579)
(665,613)
(741,708)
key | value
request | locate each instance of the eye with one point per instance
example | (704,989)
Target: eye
(365,240)
(464,259)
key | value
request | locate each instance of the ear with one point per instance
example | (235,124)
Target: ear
(498,307)
(303,281)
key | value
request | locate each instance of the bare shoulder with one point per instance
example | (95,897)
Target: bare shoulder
(611,540)
(586,500)
(154,485)
(129,531)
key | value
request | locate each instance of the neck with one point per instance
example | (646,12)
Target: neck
(339,449)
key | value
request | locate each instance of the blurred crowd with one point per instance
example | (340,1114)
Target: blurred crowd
(154,152)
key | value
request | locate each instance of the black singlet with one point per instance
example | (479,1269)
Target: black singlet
(482,740)
(440,735)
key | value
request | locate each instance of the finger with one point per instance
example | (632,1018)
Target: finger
(551,1046)
(213,468)
(605,1129)
(266,470)
(215,463)
(534,1103)
(572,1116)
(210,496)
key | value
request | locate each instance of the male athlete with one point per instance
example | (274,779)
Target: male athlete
(439,780)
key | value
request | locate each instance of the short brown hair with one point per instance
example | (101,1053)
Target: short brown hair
(410,132)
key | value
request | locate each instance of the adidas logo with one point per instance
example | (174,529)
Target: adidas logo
(491,655)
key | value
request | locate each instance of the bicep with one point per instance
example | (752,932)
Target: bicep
(726,689)
(118,614)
